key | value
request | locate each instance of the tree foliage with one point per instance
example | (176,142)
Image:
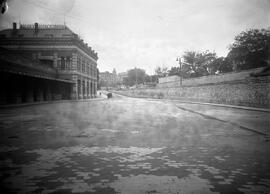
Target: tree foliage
(161,71)
(250,49)
(197,64)
(174,71)
(220,65)
(135,76)
(151,79)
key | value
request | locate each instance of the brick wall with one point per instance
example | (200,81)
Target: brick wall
(246,91)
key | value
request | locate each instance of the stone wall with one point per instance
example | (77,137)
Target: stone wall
(168,79)
(246,92)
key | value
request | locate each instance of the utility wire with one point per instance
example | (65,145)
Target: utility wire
(42,6)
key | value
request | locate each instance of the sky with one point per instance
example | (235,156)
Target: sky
(145,33)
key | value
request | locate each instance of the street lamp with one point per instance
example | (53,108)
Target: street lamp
(180,71)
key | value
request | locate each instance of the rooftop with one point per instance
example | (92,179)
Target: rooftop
(45,31)
(44,26)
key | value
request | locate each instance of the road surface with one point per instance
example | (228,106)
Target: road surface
(127,145)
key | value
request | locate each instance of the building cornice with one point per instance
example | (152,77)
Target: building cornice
(48,42)
(77,73)
(47,47)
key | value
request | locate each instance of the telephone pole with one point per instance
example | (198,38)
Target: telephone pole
(136,76)
(180,70)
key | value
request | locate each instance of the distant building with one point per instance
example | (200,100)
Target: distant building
(60,49)
(122,76)
(108,79)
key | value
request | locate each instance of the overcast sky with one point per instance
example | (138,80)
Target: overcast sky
(145,33)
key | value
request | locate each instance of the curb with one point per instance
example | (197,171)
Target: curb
(226,121)
(204,103)
(47,102)
(227,106)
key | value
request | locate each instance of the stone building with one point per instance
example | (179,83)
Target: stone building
(56,47)
(23,80)
(108,79)
(113,79)
(122,76)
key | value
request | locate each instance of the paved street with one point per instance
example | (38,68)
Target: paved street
(127,145)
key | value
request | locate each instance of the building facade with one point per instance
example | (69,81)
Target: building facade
(57,47)
(122,76)
(23,80)
(108,79)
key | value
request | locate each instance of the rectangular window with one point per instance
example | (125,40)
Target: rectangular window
(83,66)
(87,69)
(58,64)
(67,35)
(48,63)
(68,63)
(48,35)
(91,70)
(79,64)
(63,63)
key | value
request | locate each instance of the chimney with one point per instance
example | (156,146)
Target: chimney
(14,29)
(14,26)
(36,27)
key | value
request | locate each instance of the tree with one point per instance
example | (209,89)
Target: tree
(135,76)
(196,64)
(250,49)
(220,65)
(174,71)
(161,71)
(151,78)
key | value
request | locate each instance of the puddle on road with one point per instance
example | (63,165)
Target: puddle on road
(117,131)
(21,117)
(255,188)
(113,166)
(134,132)
(136,153)
(141,184)
(7,148)
(110,130)
(49,160)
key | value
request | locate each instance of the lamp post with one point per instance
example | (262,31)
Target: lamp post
(180,71)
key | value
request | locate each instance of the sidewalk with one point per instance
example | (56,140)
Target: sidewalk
(50,102)
(247,118)
(256,121)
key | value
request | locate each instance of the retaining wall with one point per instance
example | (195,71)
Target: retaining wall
(246,92)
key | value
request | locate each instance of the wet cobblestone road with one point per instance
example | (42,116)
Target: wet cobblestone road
(125,145)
